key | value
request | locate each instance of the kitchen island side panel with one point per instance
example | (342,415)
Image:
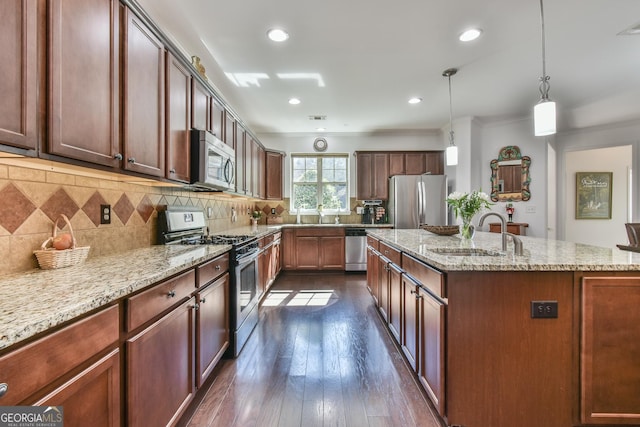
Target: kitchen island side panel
(505,368)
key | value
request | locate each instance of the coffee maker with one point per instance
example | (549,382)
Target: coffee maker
(373,212)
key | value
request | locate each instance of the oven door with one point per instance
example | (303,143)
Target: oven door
(246,289)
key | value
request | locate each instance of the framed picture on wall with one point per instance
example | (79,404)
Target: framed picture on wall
(593,195)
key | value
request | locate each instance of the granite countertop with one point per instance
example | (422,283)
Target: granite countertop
(35,301)
(539,254)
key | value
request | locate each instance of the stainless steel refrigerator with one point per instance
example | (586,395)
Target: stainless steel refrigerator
(415,200)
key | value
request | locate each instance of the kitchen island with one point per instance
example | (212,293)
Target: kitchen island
(550,338)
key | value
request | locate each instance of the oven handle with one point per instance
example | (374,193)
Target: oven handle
(248,257)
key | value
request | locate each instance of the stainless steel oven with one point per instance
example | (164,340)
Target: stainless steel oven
(245,295)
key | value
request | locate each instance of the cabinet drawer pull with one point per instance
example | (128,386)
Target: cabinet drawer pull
(131,160)
(171,294)
(218,268)
(203,300)
(4,387)
(172,170)
(117,156)
(414,293)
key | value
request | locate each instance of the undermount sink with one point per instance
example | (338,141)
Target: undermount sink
(465,252)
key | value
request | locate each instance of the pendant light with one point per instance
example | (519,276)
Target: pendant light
(452,151)
(544,113)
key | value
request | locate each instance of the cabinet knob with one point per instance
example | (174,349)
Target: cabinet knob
(218,268)
(131,160)
(203,300)
(172,170)
(171,294)
(4,387)
(117,156)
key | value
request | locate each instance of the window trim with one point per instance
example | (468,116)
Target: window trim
(314,211)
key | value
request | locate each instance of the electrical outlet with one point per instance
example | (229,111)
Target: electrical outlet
(105,214)
(544,309)
(530,209)
(273,211)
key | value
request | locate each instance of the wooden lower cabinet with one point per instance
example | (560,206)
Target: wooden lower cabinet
(331,252)
(395,301)
(314,248)
(610,348)
(383,287)
(307,253)
(288,249)
(159,371)
(373,277)
(32,370)
(431,346)
(91,397)
(212,327)
(409,337)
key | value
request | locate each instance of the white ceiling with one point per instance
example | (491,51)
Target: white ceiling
(373,55)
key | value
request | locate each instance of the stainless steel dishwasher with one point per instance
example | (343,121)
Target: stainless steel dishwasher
(355,249)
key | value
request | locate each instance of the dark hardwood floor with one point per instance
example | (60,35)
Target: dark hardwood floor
(320,356)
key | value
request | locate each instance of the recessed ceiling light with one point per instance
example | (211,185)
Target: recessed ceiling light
(470,34)
(277,34)
(294,101)
(415,100)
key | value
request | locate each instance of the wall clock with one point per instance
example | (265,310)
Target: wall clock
(320,144)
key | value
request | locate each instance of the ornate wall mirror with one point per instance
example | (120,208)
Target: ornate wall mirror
(510,176)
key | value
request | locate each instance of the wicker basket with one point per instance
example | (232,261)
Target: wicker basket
(50,258)
(443,230)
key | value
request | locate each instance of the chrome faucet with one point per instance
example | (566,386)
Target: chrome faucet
(517,243)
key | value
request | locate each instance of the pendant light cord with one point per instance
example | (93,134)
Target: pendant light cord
(544,80)
(449,73)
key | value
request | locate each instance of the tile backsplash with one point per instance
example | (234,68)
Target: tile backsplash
(32,198)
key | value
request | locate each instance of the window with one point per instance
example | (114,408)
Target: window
(320,180)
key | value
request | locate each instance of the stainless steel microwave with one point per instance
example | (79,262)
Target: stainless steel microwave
(213,163)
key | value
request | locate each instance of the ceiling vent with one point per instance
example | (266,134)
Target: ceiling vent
(317,117)
(633,30)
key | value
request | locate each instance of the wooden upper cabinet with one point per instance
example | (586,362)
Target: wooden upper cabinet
(229,130)
(416,163)
(372,174)
(178,120)
(216,118)
(380,176)
(396,164)
(144,100)
(274,167)
(18,68)
(259,187)
(364,172)
(240,159)
(83,110)
(434,162)
(200,100)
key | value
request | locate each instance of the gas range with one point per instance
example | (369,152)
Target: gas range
(186,225)
(218,239)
